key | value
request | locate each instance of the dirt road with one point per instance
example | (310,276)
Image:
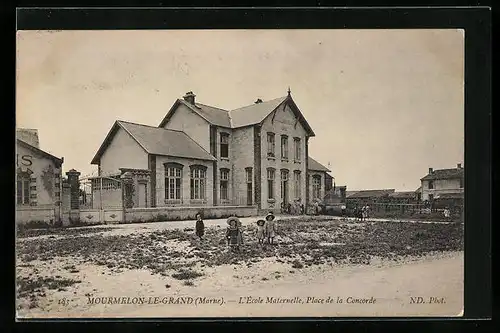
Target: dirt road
(388,287)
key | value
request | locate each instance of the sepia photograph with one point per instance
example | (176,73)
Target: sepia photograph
(239,173)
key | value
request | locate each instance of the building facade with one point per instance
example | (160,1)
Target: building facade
(442,183)
(38,181)
(202,155)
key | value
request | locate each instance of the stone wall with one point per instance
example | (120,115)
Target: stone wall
(135,215)
(35,214)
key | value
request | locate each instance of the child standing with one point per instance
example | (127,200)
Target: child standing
(233,233)
(270,228)
(261,231)
(200,226)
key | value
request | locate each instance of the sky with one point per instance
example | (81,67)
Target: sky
(385,105)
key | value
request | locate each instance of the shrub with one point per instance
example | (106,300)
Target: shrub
(186,274)
(27,286)
(297,264)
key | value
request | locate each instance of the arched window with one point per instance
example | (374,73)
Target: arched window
(297,184)
(270,144)
(224,145)
(198,182)
(316,180)
(284,147)
(271,173)
(284,186)
(224,185)
(173,182)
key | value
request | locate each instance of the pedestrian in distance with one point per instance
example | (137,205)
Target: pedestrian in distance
(200,226)
(363,213)
(446,213)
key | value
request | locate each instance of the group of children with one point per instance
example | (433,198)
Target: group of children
(266,230)
(362,213)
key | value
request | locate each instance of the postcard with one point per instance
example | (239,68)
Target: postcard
(239,173)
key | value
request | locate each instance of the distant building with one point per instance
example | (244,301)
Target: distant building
(418,194)
(443,183)
(319,180)
(38,180)
(335,196)
(406,197)
(367,197)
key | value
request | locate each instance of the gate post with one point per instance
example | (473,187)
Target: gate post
(127,192)
(74,183)
(126,182)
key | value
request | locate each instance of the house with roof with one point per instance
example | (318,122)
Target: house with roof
(38,180)
(443,184)
(202,155)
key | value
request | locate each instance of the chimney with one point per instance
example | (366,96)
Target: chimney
(189,97)
(430,170)
(30,136)
(459,166)
(258,101)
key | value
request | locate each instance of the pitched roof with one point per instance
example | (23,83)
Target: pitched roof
(371,193)
(40,152)
(245,116)
(406,194)
(445,174)
(314,165)
(255,113)
(158,141)
(211,114)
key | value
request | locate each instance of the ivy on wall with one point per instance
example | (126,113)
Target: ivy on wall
(47,179)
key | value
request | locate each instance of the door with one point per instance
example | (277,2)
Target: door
(142,195)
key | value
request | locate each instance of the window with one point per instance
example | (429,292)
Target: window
(297,184)
(297,149)
(270,145)
(284,186)
(173,181)
(431,185)
(248,177)
(224,145)
(461,183)
(23,189)
(198,182)
(270,183)
(431,197)
(224,181)
(316,187)
(284,147)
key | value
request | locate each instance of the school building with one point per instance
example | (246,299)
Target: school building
(205,156)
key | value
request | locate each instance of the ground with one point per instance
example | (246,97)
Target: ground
(320,266)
